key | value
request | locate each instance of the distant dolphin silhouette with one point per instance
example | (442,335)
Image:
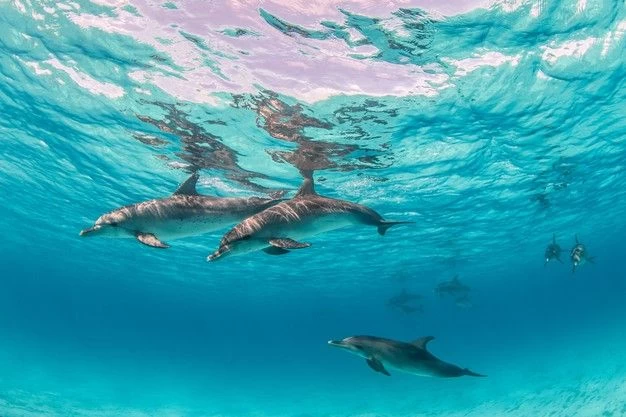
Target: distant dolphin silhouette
(405,302)
(413,358)
(403,298)
(579,255)
(453,287)
(553,251)
(277,229)
(185,213)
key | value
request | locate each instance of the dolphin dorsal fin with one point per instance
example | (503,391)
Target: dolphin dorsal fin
(307,188)
(189,186)
(422,342)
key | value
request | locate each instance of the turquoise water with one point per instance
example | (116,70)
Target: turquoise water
(491,125)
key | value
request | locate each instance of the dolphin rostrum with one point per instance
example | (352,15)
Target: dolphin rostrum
(185,213)
(278,229)
(553,251)
(413,358)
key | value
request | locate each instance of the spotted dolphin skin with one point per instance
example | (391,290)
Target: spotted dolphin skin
(413,358)
(553,251)
(278,229)
(578,255)
(185,213)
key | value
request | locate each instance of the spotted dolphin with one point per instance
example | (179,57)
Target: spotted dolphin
(413,358)
(185,213)
(579,255)
(278,229)
(553,251)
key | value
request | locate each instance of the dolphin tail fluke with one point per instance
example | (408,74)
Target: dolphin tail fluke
(384,225)
(471,373)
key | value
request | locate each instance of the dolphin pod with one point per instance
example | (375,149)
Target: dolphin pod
(275,226)
(578,254)
(187,213)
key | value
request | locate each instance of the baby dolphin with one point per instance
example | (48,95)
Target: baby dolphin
(278,229)
(413,358)
(553,251)
(579,255)
(185,213)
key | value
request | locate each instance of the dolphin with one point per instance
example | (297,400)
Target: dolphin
(403,298)
(278,229)
(405,302)
(579,255)
(185,213)
(413,358)
(453,287)
(553,251)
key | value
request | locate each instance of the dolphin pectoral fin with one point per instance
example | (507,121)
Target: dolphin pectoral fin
(422,342)
(377,366)
(274,250)
(591,260)
(150,240)
(286,243)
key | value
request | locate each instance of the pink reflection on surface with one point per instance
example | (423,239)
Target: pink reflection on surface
(304,68)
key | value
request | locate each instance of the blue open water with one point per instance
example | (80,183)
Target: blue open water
(491,128)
